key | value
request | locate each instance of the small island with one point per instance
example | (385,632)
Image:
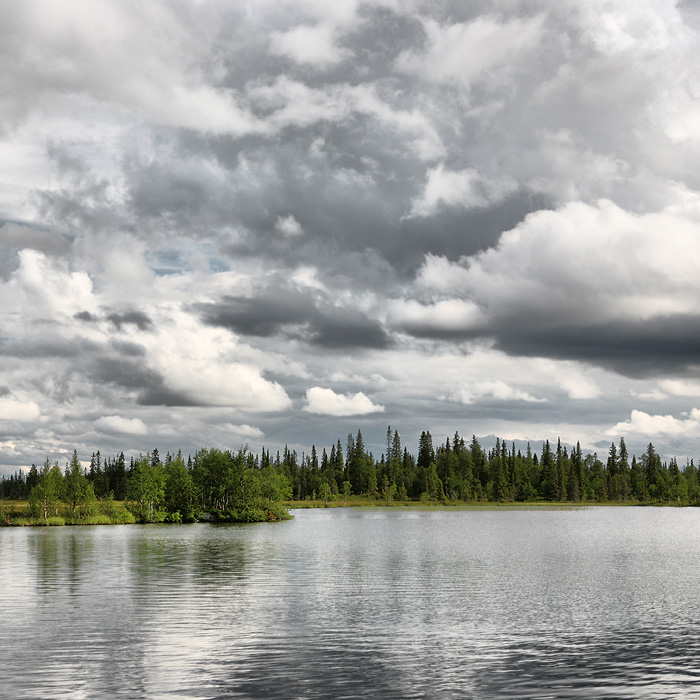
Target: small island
(218,486)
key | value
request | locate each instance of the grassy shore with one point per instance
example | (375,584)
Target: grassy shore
(17,513)
(365,502)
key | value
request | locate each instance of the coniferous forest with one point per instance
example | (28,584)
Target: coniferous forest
(246,487)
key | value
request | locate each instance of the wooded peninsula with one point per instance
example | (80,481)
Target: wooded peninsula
(240,486)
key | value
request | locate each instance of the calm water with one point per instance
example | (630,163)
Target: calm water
(589,603)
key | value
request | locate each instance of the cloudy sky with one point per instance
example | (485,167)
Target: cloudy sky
(278,221)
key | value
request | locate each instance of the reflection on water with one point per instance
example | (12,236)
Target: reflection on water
(588,603)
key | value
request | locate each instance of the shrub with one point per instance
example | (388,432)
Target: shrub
(98,519)
(123,517)
(21,522)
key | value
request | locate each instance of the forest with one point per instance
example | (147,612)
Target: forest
(246,487)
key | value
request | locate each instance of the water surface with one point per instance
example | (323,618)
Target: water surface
(344,603)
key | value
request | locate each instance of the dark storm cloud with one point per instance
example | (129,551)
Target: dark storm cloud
(660,346)
(348,329)
(353,199)
(135,376)
(283,311)
(124,347)
(130,374)
(136,318)
(73,348)
(261,316)
(160,395)
(665,345)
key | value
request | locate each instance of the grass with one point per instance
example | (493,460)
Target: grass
(365,502)
(16,514)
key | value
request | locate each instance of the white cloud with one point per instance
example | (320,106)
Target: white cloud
(463,188)
(478,50)
(42,287)
(642,27)
(643,424)
(112,53)
(532,272)
(116,425)
(243,431)
(571,377)
(494,389)
(311,45)
(326,402)
(20,411)
(449,315)
(679,387)
(288,226)
(207,365)
(374,379)
(439,274)
(293,103)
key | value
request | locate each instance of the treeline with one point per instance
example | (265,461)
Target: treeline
(458,470)
(225,486)
(242,486)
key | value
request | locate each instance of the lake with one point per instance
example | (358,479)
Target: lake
(358,603)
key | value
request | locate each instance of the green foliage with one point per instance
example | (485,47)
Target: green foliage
(78,493)
(325,493)
(245,487)
(107,505)
(146,491)
(45,496)
(97,519)
(122,517)
(179,494)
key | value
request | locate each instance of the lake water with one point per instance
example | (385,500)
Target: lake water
(343,603)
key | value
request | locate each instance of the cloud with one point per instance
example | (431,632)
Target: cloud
(493,389)
(116,58)
(116,425)
(43,288)
(326,402)
(442,319)
(135,318)
(431,202)
(21,411)
(303,315)
(242,432)
(465,52)
(288,226)
(463,188)
(641,423)
(311,45)
(678,387)
(527,296)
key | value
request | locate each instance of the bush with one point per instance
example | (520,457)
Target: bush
(56,520)
(107,506)
(123,517)
(21,522)
(99,519)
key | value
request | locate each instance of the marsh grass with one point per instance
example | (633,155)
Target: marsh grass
(365,502)
(17,514)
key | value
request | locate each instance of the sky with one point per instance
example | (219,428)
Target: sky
(278,222)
